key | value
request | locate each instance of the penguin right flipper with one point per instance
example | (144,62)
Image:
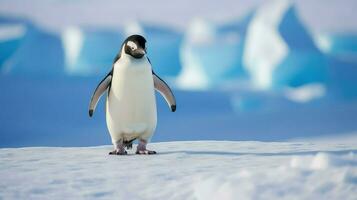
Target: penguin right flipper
(101,88)
(165,91)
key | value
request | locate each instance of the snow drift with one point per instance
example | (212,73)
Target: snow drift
(183,170)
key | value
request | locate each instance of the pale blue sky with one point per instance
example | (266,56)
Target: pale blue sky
(319,15)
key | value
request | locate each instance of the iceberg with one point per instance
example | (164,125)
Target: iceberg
(212,54)
(342,78)
(11,36)
(279,50)
(89,52)
(30,51)
(12,32)
(342,45)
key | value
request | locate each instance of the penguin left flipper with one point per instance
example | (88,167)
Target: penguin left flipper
(101,88)
(165,91)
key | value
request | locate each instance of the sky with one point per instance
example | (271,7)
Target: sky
(54,15)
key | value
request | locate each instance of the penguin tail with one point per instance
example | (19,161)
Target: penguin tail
(129,144)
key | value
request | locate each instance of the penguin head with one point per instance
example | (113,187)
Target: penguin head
(134,45)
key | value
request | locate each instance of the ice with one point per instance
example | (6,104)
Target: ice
(72,40)
(11,32)
(29,50)
(265,48)
(11,36)
(193,74)
(279,50)
(183,170)
(90,51)
(342,78)
(38,52)
(305,93)
(163,50)
(83,51)
(211,53)
(339,45)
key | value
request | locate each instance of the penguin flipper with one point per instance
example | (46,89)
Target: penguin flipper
(165,91)
(101,88)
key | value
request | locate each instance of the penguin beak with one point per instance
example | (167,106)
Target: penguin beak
(138,53)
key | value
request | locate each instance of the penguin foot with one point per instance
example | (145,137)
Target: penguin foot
(141,149)
(118,152)
(145,152)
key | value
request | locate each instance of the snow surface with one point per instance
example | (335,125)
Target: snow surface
(183,170)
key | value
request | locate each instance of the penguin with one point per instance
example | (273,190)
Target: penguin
(131,112)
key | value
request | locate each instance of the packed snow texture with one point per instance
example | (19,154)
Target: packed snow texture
(183,170)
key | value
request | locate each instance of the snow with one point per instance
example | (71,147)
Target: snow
(183,170)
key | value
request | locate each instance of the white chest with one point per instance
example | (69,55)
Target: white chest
(131,105)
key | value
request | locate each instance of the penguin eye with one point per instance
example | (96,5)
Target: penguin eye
(132,45)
